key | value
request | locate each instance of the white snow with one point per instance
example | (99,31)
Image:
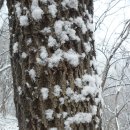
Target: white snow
(94,109)
(52,10)
(44,1)
(89,90)
(87,47)
(52,41)
(32,74)
(57,90)
(49,114)
(56,57)
(64,31)
(44,92)
(69,92)
(28,85)
(78,118)
(15,47)
(78,82)
(8,123)
(29,41)
(59,115)
(70,3)
(97,100)
(80,23)
(18,9)
(46,30)
(37,12)
(89,85)
(43,56)
(59,31)
(74,96)
(77,97)
(19,90)
(72,33)
(89,24)
(72,57)
(62,100)
(24,55)
(24,20)
(64,114)
(58,27)
(54,128)
(88,78)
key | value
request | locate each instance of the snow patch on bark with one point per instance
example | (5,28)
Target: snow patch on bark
(18,9)
(56,57)
(80,23)
(24,55)
(52,41)
(57,90)
(54,128)
(15,47)
(78,118)
(32,74)
(72,57)
(44,92)
(49,114)
(24,20)
(52,10)
(73,4)
(37,12)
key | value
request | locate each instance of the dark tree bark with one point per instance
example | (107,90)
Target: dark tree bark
(1,3)
(54,85)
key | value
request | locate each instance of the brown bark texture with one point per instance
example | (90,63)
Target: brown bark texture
(31,108)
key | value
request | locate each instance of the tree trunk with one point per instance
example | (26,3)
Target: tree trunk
(56,85)
(1,3)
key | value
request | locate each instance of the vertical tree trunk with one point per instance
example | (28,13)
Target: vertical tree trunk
(56,85)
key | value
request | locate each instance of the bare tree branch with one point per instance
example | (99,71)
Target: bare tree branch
(122,38)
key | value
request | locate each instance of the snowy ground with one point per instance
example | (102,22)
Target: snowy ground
(8,123)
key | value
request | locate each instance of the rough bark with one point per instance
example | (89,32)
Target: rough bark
(1,3)
(30,106)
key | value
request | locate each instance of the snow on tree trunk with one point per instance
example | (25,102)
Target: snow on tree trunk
(56,85)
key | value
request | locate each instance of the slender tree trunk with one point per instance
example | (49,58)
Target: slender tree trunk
(53,65)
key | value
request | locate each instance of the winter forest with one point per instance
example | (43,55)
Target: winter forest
(64,65)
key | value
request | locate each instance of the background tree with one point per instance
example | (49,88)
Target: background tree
(55,81)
